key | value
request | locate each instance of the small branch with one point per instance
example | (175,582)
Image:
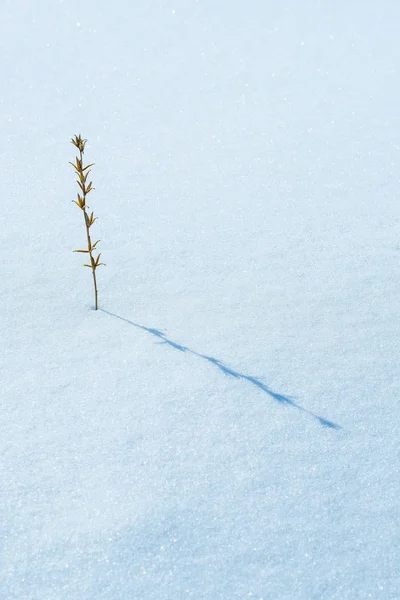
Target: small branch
(85,188)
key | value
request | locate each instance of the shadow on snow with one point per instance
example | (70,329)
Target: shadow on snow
(228,370)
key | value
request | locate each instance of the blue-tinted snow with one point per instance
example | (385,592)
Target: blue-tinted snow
(227,426)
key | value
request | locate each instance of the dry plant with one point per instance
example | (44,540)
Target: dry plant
(85,188)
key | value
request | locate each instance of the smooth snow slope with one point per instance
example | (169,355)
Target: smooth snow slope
(227,426)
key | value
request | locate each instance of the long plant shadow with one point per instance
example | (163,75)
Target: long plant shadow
(281,398)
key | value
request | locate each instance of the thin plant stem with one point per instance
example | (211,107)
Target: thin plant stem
(85,188)
(92,261)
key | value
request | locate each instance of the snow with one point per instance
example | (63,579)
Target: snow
(226,425)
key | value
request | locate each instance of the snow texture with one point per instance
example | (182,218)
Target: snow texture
(227,425)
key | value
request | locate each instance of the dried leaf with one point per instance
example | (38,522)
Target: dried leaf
(91,220)
(97,263)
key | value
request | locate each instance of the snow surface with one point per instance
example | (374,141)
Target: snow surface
(227,425)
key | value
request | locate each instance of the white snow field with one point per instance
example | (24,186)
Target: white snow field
(227,425)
